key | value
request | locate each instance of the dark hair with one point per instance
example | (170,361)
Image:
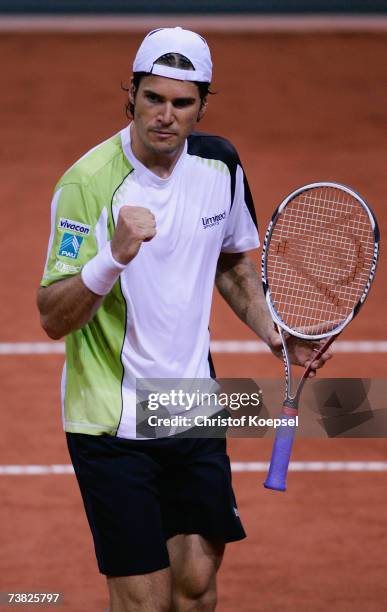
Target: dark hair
(174,60)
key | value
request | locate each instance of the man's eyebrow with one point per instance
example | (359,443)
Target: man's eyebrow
(153,93)
(184,99)
(161,97)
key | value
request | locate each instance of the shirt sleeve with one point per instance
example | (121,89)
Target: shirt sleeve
(241,232)
(72,241)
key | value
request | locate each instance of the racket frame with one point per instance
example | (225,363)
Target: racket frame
(276,318)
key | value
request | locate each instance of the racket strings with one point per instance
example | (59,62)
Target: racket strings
(319,259)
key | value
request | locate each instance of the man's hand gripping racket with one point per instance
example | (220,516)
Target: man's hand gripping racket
(318,262)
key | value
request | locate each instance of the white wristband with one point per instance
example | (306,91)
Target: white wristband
(101,272)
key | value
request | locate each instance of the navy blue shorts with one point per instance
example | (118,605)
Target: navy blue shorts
(139,493)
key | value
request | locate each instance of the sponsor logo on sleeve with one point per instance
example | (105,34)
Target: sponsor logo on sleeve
(74,226)
(213,221)
(70,245)
(65,268)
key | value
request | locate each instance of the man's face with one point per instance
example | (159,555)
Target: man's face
(166,112)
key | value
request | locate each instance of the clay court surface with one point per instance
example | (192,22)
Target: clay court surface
(299,108)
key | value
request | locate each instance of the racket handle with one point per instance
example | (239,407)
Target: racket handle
(282,448)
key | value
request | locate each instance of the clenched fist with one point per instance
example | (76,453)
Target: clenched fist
(135,225)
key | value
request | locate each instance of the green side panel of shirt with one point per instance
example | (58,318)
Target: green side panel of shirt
(94,372)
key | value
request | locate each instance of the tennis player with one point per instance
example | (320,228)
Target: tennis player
(141,227)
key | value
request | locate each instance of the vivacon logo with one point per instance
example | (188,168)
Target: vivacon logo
(74,226)
(215,220)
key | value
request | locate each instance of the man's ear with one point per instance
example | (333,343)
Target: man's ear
(202,109)
(132,91)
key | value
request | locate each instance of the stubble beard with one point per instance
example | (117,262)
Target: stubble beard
(163,148)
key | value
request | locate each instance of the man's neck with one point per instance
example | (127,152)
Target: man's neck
(161,164)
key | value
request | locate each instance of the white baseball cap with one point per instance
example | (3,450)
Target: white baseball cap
(175,40)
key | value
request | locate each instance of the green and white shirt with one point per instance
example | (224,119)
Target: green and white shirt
(154,322)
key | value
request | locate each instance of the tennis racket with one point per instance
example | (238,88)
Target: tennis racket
(318,262)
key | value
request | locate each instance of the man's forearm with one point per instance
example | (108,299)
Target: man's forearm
(239,284)
(65,306)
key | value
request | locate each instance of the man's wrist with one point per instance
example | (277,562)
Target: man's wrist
(116,256)
(268,334)
(102,271)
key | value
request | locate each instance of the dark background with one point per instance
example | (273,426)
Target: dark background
(193,6)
